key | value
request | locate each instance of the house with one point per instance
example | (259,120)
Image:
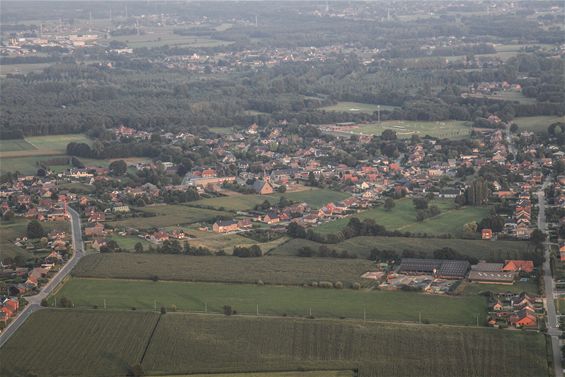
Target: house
(244,224)
(519,265)
(94,231)
(262,187)
(121,209)
(524,318)
(486,234)
(159,237)
(224,226)
(271,218)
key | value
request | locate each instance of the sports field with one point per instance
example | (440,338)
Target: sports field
(361,246)
(278,270)
(356,107)
(107,343)
(403,217)
(274,300)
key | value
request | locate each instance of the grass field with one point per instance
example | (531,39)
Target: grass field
(530,287)
(170,215)
(507,96)
(488,250)
(274,300)
(271,270)
(22,69)
(403,217)
(105,343)
(15,145)
(537,123)
(356,107)
(9,231)
(452,129)
(161,36)
(324,373)
(316,198)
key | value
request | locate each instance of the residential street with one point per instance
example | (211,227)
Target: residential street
(34,302)
(552,320)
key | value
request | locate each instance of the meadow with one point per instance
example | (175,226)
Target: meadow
(13,229)
(274,300)
(356,107)
(161,36)
(361,246)
(278,270)
(403,217)
(316,198)
(106,343)
(537,123)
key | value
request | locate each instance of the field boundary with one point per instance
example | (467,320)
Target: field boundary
(150,338)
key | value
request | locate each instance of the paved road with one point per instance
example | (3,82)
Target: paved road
(34,302)
(552,319)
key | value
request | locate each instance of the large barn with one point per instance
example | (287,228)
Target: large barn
(441,268)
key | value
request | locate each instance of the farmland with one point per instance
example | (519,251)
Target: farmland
(271,270)
(356,107)
(9,231)
(274,300)
(403,217)
(537,123)
(314,197)
(103,343)
(161,36)
(361,246)
(406,128)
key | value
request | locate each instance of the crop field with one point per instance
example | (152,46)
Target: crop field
(473,288)
(537,123)
(507,96)
(170,215)
(403,217)
(451,129)
(106,343)
(22,69)
(316,198)
(161,36)
(356,107)
(25,165)
(274,300)
(277,270)
(361,246)
(324,373)
(15,145)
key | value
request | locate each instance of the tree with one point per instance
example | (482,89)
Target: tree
(35,229)
(420,203)
(389,204)
(228,310)
(296,230)
(138,247)
(538,237)
(477,193)
(281,189)
(470,227)
(514,128)
(8,215)
(118,167)
(388,135)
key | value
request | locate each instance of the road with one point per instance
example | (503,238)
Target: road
(552,321)
(34,302)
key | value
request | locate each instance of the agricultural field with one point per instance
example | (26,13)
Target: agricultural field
(103,343)
(63,343)
(506,96)
(21,69)
(171,215)
(403,217)
(161,36)
(361,246)
(278,270)
(537,123)
(356,107)
(316,198)
(324,373)
(15,145)
(451,129)
(470,288)
(25,165)
(274,300)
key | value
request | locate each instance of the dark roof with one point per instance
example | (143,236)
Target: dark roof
(442,267)
(488,267)
(226,222)
(503,277)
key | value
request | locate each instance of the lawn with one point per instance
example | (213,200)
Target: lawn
(316,198)
(361,246)
(279,270)
(170,215)
(537,123)
(530,287)
(452,129)
(56,142)
(403,217)
(274,300)
(9,231)
(15,145)
(356,107)
(25,165)
(104,343)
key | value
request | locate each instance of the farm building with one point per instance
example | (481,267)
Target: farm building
(263,187)
(492,277)
(225,226)
(519,265)
(446,269)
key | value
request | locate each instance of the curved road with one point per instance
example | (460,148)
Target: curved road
(34,302)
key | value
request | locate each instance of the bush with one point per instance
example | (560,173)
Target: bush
(163,310)
(314,284)
(260,282)
(356,286)
(44,302)
(228,310)
(173,308)
(338,285)
(325,284)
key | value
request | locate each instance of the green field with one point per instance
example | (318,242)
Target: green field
(537,123)
(530,287)
(403,217)
(274,300)
(356,107)
(361,246)
(22,69)
(9,231)
(15,145)
(507,96)
(106,343)
(25,165)
(271,270)
(56,143)
(325,373)
(316,198)
(170,215)
(161,36)
(452,129)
